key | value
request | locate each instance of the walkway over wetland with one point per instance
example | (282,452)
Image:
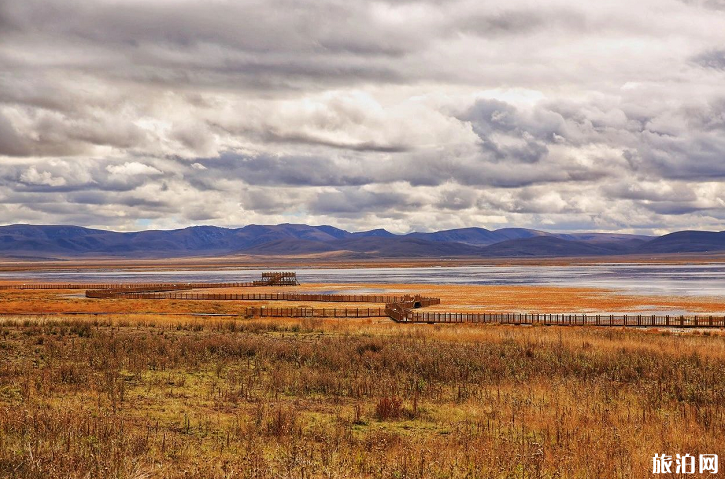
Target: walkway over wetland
(402,309)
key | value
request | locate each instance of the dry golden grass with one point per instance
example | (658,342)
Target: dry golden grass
(46,301)
(138,394)
(143,396)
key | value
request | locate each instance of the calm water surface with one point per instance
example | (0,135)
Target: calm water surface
(681,280)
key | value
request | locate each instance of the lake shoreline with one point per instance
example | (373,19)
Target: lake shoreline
(687,280)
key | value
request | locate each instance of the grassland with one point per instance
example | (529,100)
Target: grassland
(139,394)
(144,396)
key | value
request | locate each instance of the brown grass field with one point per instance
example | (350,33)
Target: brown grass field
(141,395)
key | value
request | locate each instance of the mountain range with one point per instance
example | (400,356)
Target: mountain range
(60,241)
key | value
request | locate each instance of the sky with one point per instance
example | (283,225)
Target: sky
(404,115)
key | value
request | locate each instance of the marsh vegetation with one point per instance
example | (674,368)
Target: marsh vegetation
(152,397)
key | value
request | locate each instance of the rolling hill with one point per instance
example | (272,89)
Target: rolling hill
(685,242)
(539,246)
(60,241)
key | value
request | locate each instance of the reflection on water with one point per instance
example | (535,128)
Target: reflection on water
(680,279)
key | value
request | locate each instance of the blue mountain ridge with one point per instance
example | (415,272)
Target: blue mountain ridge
(63,241)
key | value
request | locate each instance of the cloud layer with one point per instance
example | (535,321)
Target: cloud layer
(407,115)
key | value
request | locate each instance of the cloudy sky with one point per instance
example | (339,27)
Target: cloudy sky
(407,115)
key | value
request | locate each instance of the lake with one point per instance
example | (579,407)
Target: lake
(676,279)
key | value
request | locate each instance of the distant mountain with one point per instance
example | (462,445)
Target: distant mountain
(471,236)
(58,241)
(519,233)
(332,231)
(378,233)
(400,247)
(685,242)
(24,240)
(479,236)
(600,237)
(372,246)
(291,247)
(484,237)
(538,246)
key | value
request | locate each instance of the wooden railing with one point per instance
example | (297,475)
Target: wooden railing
(268,279)
(550,319)
(128,286)
(265,312)
(301,297)
(286,278)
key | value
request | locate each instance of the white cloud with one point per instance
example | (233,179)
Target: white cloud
(34,177)
(131,168)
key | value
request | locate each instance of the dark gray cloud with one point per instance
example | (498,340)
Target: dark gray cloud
(357,201)
(11,143)
(711,59)
(711,4)
(522,21)
(279,171)
(232,45)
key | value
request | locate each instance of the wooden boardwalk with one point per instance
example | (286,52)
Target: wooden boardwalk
(268,279)
(160,293)
(400,308)
(561,319)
